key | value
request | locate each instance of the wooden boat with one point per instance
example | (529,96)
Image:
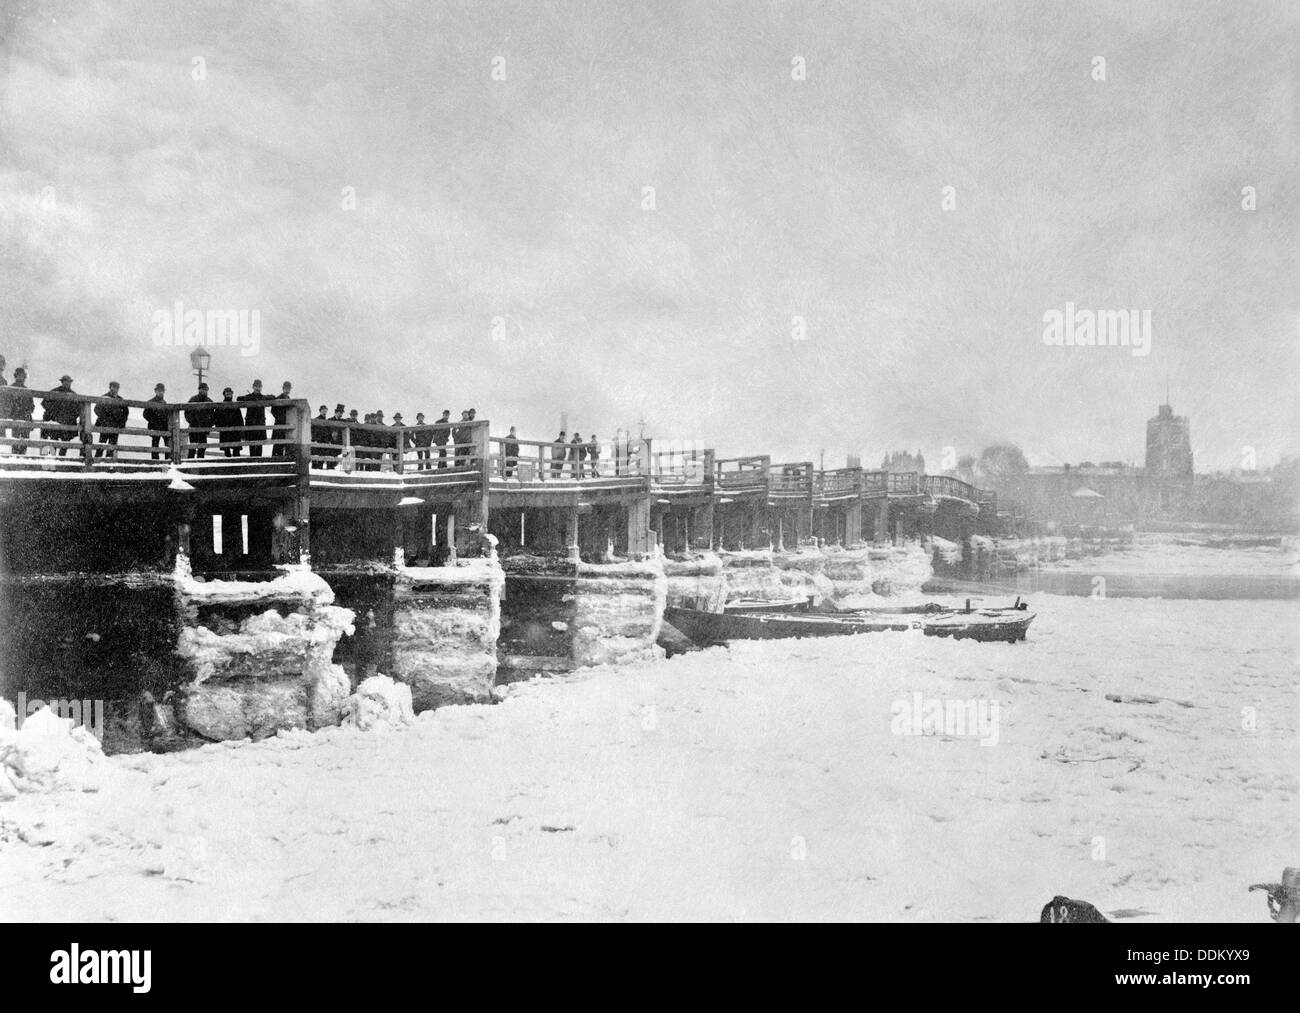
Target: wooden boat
(996,624)
(1233,542)
(707,629)
(1245,542)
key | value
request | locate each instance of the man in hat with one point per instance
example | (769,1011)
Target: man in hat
(510,451)
(460,436)
(401,440)
(280,413)
(338,425)
(421,439)
(440,436)
(255,415)
(559,451)
(593,449)
(110,416)
(375,441)
(62,411)
(228,417)
(577,455)
(156,421)
(469,438)
(15,404)
(200,421)
(320,433)
(354,435)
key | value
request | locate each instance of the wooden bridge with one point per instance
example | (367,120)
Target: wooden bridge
(434,491)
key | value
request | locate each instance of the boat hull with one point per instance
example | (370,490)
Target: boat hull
(986,629)
(709,629)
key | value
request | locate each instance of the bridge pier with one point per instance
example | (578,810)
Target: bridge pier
(853,524)
(571,546)
(640,539)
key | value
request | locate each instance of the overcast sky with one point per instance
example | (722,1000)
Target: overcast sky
(128,180)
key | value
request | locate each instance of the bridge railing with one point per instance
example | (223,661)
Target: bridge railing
(678,468)
(733,474)
(837,482)
(62,431)
(791,480)
(552,461)
(903,483)
(444,447)
(949,485)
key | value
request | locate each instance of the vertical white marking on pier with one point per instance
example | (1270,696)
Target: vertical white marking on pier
(243,533)
(216,534)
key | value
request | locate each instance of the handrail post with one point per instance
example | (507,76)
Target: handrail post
(482,445)
(298,550)
(175,435)
(87,435)
(300,427)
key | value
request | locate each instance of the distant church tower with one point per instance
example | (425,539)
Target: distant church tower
(1169,446)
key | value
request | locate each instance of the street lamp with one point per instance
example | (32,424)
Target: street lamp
(200,360)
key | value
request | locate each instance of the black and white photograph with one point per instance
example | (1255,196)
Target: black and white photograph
(689,461)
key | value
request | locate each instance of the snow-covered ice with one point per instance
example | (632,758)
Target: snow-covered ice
(758,782)
(47,753)
(379,702)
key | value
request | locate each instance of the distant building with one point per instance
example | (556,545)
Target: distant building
(902,461)
(1169,446)
(1166,492)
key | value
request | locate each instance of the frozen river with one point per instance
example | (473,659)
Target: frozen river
(1141,754)
(1157,566)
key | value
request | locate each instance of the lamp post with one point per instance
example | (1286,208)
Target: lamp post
(200,360)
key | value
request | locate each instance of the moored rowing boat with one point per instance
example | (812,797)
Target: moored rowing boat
(707,629)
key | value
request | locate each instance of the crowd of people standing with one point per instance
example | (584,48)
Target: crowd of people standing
(239,423)
(371,446)
(577,452)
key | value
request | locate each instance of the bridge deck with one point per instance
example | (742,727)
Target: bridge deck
(344,464)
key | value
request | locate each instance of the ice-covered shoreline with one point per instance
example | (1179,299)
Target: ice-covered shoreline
(760,782)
